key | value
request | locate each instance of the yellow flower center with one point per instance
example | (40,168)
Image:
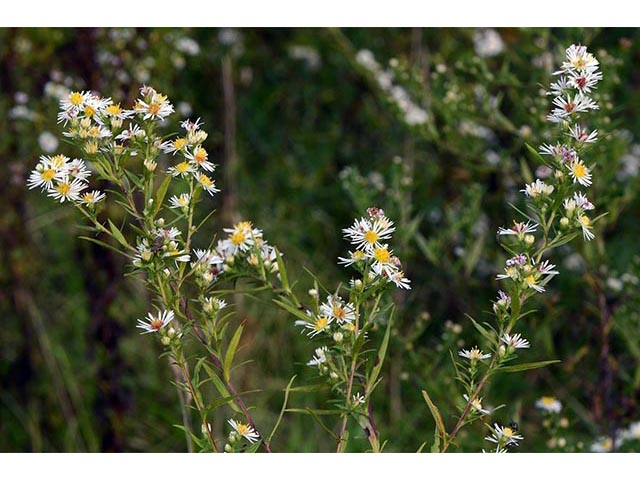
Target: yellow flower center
(205,181)
(579,170)
(338,311)
(88,197)
(243,226)
(382,255)
(182,167)
(94,132)
(584,220)
(371,236)
(89,111)
(63,189)
(179,143)
(548,401)
(48,174)
(242,428)
(183,201)
(75,98)
(238,238)
(113,110)
(321,324)
(156,324)
(200,155)
(531,280)
(358,255)
(508,432)
(154,108)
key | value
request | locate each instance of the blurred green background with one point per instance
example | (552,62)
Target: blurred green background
(309,127)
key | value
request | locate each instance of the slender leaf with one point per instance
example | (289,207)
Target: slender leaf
(231,351)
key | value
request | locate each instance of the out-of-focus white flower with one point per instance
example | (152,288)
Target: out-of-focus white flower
(487,42)
(549,404)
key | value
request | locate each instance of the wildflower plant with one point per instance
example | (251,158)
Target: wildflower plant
(123,149)
(340,321)
(557,212)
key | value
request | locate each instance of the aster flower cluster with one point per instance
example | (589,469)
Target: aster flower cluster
(244,250)
(64,179)
(372,257)
(563,172)
(557,214)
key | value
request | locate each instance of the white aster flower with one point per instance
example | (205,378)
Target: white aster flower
(77,169)
(519,229)
(182,169)
(319,325)
(515,341)
(358,399)
(549,404)
(67,189)
(200,158)
(580,173)
(319,358)
(476,405)
(580,134)
(474,354)
(366,234)
(156,322)
(241,238)
(354,257)
(179,201)
(585,224)
(578,58)
(537,188)
(244,430)
(48,170)
(207,183)
(91,198)
(174,146)
(75,101)
(157,107)
(504,436)
(400,280)
(336,309)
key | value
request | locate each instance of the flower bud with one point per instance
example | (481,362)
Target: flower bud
(171,332)
(337,337)
(333,376)
(529,239)
(564,222)
(228,448)
(313,292)
(160,222)
(150,165)
(502,350)
(165,340)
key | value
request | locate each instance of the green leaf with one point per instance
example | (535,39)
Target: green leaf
(292,310)
(231,351)
(483,331)
(105,245)
(117,234)
(161,192)
(527,366)
(309,388)
(284,406)
(220,386)
(283,271)
(435,413)
(382,352)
